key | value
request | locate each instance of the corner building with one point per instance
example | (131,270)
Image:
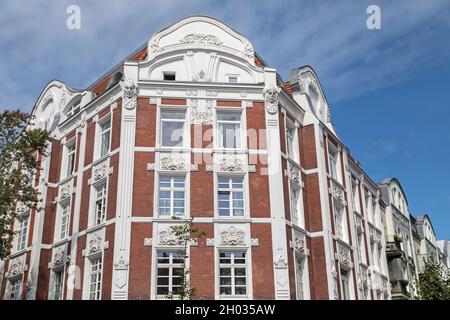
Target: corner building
(195,125)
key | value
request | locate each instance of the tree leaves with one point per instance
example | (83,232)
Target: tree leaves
(21,149)
(433,284)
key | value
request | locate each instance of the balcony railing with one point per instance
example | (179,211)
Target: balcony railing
(393,249)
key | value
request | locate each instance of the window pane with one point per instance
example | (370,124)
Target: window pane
(228,116)
(172,134)
(173,115)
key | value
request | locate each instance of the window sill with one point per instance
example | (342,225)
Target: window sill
(18,253)
(232,219)
(96,227)
(59,242)
(101,159)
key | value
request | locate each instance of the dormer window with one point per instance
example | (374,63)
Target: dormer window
(169,76)
(74,108)
(232,78)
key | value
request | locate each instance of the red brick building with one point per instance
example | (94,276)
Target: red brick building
(195,125)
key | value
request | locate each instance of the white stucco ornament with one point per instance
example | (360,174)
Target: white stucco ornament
(271,98)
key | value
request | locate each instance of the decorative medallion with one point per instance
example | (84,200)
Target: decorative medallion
(271,98)
(232,237)
(129,94)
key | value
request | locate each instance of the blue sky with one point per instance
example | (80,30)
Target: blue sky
(389,89)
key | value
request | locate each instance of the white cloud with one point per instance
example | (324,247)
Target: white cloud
(331,36)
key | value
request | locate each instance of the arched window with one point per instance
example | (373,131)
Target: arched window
(74,107)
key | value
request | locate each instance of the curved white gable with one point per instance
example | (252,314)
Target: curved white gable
(54,102)
(200,49)
(304,81)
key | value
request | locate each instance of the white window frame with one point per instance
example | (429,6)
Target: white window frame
(15,290)
(55,295)
(75,105)
(186,127)
(172,189)
(66,203)
(103,199)
(66,154)
(233,266)
(291,134)
(297,219)
(245,195)
(98,273)
(171,266)
(334,157)
(347,277)
(304,280)
(241,123)
(100,131)
(340,223)
(361,248)
(21,239)
(229,76)
(355,196)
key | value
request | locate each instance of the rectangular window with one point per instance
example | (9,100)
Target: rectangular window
(355,197)
(229,130)
(300,266)
(64,221)
(339,222)
(295,206)
(232,273)
(100,204)
(70,160)
(172,128)
(374,213)
(59,280)
(292,141)
(345,278)
(95,277)
(368,208)
(232,78)
(169,273)
(333,165)
(169,76)
(105,134)
(231,196)
(22,233)
(16,288)
(361,248)
(172,190)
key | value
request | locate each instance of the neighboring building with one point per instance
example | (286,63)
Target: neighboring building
(428,246)
(195,124)
(400,247)
(444,255)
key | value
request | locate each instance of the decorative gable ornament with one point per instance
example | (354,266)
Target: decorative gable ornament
(201,39)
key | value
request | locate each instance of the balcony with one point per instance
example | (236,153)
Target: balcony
(400,290)
(393,249)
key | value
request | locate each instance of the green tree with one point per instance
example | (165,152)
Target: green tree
(21,147)
(185,234)
(432,284)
